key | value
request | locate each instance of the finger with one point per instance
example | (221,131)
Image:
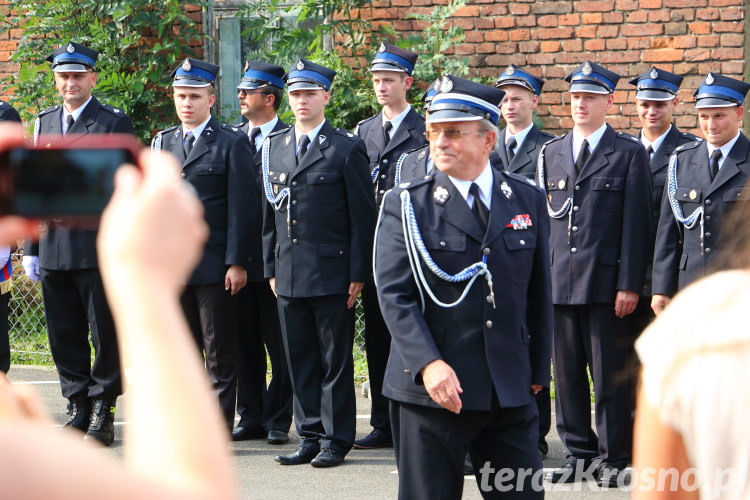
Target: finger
(11,135)
(30,404)
(127,180)
(227,282)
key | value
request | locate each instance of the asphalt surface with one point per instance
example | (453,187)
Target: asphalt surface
(364,474)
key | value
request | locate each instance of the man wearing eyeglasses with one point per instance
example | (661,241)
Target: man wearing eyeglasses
(265,411)
(469,350)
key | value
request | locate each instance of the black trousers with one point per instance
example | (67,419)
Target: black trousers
(431,444)
(592,336)
(74,302)
(259,406)
(4,340)
(318,335)
(211,314)
(544,408)
(377,346)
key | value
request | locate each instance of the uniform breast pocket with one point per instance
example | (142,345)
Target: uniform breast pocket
(690,198)
(734,194)
(450,242)
(209,178)
(521,246)
(278,181)
(557,190)
(607,192)
(325,186)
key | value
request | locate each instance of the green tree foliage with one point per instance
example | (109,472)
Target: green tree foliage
(139,43)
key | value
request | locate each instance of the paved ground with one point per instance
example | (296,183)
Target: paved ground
(364,474)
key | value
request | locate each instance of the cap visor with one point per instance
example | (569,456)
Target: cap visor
(714,102)
(450,115)
(517,83)
(251,85)
(189,82)
(70,68)
(654,95)
(591,88)
(291,87)
(386,67)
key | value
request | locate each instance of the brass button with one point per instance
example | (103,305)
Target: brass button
(294,202)
(522,242)
(708,250)
(385,160)
(574,228)
(488,324)
(574,250)
(708,201)
(489,299)
(294,241)
(576,208)
(708,235)
(294,183)
(294,222)
(577,188)
(382,176)
(708,218)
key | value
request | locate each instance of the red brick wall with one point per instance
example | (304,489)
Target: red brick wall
(8,45)
(550,38)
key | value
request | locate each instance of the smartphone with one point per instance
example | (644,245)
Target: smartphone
(63,178)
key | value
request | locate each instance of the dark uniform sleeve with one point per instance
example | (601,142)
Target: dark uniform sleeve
(397,292)
(7,113)
(123,125)
(269,235)
(241,198)
(362,214)
(667,251)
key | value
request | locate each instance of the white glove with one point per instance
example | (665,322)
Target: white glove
(31,266)
(4,255)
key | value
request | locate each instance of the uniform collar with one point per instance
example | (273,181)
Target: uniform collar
(75,114)
(265,129)
(520,137)
(592,139)
(657,143)
(725,149)
(311,134)
(197,131)
(396,122)
(484,181)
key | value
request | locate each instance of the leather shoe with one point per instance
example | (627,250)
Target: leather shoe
(609,476)
(375,439)
(328,457)
(301,455)
(277,437)
(79,412)
(573,471)
(102,423)
(242,433)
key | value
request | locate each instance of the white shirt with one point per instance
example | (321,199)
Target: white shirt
(520,137)
(197,131)
(593,140)
(725,149)
(265,129)
(311,134)
(657,142)
(75,114)
(483,181)
(396,121)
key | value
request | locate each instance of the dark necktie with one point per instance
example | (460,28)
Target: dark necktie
(69,123)
(583,156)
(649,152)
(511,146)
(303,142)
(481,212)
(188,145)
(254,133)
(387,132)
(713,167)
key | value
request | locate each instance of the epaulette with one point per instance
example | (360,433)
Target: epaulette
(366,120)
(554,139)
(277,132)
(627,136)
(345,133)
(49,110)
(231,128)
(547,134)
(687,146)
(115,111)
(167,130)
(692,137)
(525,181)
(239,124)
(418,148)
(417,181)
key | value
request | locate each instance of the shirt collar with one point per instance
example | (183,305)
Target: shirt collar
(657,142)
(725,149)
(197,131)
(520,137)
(484,181)
(395,122)
(311,134)
(265,129)
(75,114)
(592,139)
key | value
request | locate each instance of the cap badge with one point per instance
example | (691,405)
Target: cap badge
(507,191)
(710,79)
(70,49)
(693,194)
(186,66)
(446,85)
(382,47)
(510,70)
(654,74)
(587,69)
(300,66)
(441,195)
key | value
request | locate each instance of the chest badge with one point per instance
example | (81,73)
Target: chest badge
(561,184)
(421,155)
(282,177)
(287,140)
(441,195)
(321,139)
(520,222)
(693,194)
(507,191)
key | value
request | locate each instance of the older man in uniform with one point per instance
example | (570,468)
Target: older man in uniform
(216,160)
(704,180)
(466,356)
(65,259)
(387,135)
(599,201)
(317,240)
(265,411)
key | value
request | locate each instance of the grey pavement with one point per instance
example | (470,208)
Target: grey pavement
(364,474)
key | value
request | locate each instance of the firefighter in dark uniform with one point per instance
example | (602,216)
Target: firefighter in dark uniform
(467,355)
(599,201)
(214,161)
(387,135)
(65,259)
(7,113)
(521,140)
(317,242)
(265,411)
(704,180)
(417,162)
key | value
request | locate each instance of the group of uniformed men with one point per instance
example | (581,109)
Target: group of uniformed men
(486,241)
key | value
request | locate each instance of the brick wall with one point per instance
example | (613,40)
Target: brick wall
(687,37)
(8,44)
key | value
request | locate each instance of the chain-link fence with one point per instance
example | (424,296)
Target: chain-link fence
(28,328)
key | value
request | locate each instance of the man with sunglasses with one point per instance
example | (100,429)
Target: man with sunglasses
(265,411)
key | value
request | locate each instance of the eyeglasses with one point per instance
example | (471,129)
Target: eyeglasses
(243,92)
(451,134)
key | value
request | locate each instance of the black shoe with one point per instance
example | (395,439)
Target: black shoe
(277,437)
(301,455)
(102,424)
(468,467)
(79,412)
(242,433)
(609,476)
(328,457)
(375,439)
(573,471)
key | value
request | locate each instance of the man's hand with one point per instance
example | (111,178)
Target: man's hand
(625,303)
(354,288)
(30,265)
(272,284)
(535,388)
(442,385)
(659,303)
(235,279)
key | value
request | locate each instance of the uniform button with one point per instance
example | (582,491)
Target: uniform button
(382,191)
(684,195)
(522,242)
(577,188)
(708,218)
(407,371)
(341,252)
(708,235)
(210,169)
(488,324)
(708,201)
(294,241)
(442,243)
(294,222)
(382,176)
(426,177)
(606,186)
(574,250)
(576,208)
(294,202)
(708,250)
(574,228)
(489,299)
(294,183)
(385,160)
(322,178)
(183,175)
(486,251)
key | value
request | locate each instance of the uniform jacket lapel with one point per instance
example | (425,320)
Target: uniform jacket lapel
(501,150)
(502,209)
(455,211)
(403,132)
(202,143)
(377,137)
(564,158)
(173,144)
(735,164)
(661,155)
(524,152)
(599,157)
(316,148)
(87,118)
